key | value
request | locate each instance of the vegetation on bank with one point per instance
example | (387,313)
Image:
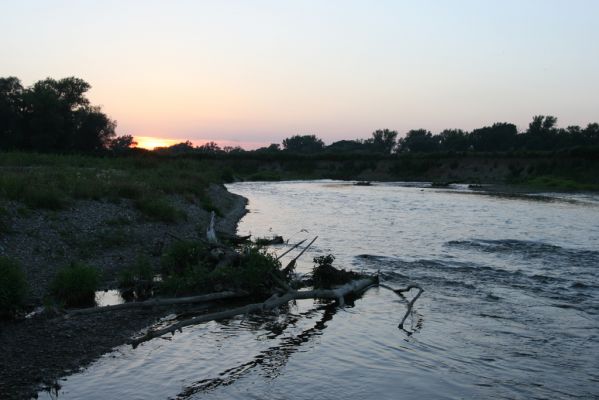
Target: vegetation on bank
(13,287)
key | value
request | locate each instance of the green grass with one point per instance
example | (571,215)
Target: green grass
(75,285)
(558,183)
(45,181)
(159,209)
(13,287)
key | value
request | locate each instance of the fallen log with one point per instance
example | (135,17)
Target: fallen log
(276,300)
(158,302)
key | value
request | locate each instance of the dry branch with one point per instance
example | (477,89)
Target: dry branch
(274,301)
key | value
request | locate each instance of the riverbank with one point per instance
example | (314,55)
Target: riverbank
(37,351)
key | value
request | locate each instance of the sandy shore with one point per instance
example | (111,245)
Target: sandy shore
(36,352)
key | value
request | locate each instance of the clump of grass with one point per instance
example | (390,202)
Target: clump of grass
(75,285)
(13,287)
(159,209)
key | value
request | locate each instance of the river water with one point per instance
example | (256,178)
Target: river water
(510,308)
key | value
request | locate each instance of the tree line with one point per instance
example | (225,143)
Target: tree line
(56,116)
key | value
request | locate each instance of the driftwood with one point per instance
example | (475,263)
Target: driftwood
(292,248)
(410,303)
(159,302)
(289,268)
(274,301)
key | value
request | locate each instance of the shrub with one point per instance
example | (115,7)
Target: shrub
(75,285)
(13,287)
(187,268)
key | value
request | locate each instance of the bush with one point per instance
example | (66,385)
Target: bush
(13,287)
(187,269)
(75,285)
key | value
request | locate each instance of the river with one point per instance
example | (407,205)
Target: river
(510,308)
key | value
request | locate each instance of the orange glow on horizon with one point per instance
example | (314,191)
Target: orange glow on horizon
(150,143)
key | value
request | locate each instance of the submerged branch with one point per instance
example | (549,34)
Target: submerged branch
(274,301)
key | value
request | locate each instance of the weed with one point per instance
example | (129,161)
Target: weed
(13,287)
(75,285)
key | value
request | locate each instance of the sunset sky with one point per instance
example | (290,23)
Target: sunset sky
(255,72)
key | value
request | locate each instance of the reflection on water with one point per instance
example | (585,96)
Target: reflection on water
(511,307)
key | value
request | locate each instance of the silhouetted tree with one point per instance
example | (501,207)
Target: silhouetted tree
(418,140)
(122,144)
(383,140)
(52,115)
(209,147)
(541,133)
(11,92)
(303,144)
(348,146)
(501,136)
(453,140)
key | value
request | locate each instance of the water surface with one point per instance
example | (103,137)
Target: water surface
(510,308)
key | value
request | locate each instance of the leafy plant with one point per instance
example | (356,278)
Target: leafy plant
(13,287)
(75,285)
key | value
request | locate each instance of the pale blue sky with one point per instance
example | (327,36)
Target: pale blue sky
(263,70)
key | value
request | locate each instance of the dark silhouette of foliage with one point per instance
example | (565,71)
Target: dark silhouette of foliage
(501,136)
(418,140)
(383,141)
(303,144)
(52,115)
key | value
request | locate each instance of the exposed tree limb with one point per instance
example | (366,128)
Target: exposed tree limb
(294,246)
(274,301)
(159,302)
(291,264)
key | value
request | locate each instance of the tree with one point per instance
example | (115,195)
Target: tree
(541,133)
(11,92)
(52,115)
(453,140)
(122,144)
(383,141)
(303,144)
(501,136)
(418,141)
(209,147)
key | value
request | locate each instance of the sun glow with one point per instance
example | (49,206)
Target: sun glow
(150,143)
